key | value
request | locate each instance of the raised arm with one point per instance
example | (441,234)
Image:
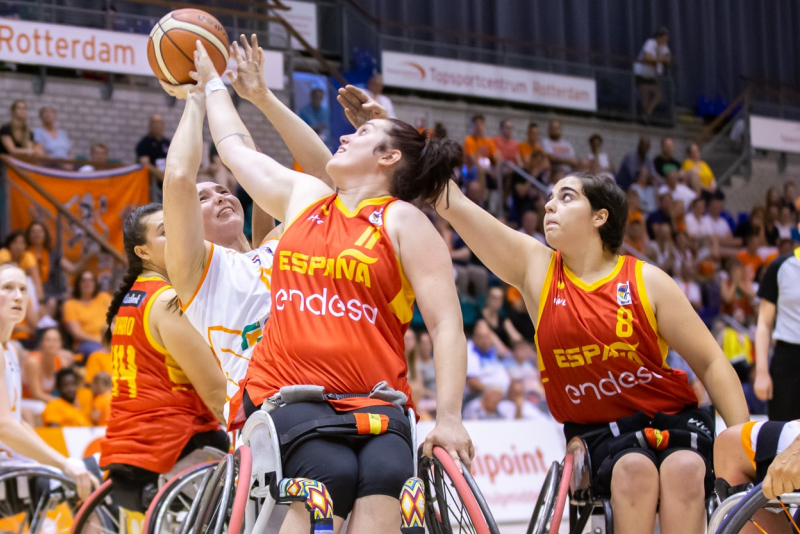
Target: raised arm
(509,254)
(682,329)
(427,265)
(192,353)
(186,251)
(281,192)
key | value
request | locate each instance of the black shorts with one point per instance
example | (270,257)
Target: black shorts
(692,429)
(641,80)
(351,467)
(785,372)
(134,487)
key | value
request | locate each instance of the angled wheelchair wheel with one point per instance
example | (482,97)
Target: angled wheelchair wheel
(172,504)
(98,515)
(744,511)
(36,499)
(546,503)
(223,502)
(453,502)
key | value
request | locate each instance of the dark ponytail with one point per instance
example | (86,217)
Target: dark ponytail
(426,166)
(134,234)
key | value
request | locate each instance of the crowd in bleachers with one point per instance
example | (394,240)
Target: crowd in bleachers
(677,220)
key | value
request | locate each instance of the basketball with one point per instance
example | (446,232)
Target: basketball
(171,46)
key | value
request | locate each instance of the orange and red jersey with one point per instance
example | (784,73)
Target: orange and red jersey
(340,307)
(154,408)
(600,354)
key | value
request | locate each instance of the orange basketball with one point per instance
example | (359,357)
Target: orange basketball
(171,46)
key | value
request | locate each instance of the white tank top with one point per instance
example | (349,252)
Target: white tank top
(231,305)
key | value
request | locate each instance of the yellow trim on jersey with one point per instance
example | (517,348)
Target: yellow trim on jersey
(648,311)
(402,305)
(591,287)
(151,279)
(146,321)
(302,211)
(543,296)
(202,279)
(361,205)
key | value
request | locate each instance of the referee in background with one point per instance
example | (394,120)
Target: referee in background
(779,381)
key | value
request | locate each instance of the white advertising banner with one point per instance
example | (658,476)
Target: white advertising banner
(302,16)
(511,462)
(489,81)
(775,134)
(75,47)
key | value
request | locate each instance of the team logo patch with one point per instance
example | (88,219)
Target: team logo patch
(377,217)
(133,298)
(623,293)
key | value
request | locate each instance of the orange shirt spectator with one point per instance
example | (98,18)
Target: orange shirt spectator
(99,361)
(65,411)
(525,149)
(479,147)
(505,142)
(39,368)
(101,404)
(85,313)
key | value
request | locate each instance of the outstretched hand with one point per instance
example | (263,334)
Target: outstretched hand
(204,70)
(453,438)
(248,80)
(358,106)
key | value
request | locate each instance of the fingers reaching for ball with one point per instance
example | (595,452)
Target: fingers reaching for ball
(204,67)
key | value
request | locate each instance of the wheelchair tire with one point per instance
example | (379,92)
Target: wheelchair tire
(440,476)
(45,486)
(173,492)
(99,507)
(546,502)
(243,467)
(740,514)
(216,498)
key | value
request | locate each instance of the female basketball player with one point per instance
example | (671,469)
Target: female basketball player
(348,267)
(603,325)
(165,375)
(16,436)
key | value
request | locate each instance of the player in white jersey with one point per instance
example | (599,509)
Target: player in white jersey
(16,437)
(223,284)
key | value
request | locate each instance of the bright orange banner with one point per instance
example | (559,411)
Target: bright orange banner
(101,199)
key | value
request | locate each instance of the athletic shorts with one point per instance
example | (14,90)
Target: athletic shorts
(764,440)
(134,487)
(784,368)
(351,467)
(656,438)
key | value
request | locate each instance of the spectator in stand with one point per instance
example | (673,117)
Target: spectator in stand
(519,316)
(701,175)
(484,368)
(151,151)
(635,234)
(662,215)
(665,162)
(687,281)
(481,154)
(375,91)
(523,198)
(559,151)
(600,160)
(633,203)
(683,248)
(530,225)
(527,147)
(694,218)
(645,190)
(505,143)
(85,314)
(98,362)
(495,316)
(316,114)
(790,197)
(716,225)
(756,219)
(786,222)
(39,370)
(64,410)
(54,142)
(771,232)
(773,197)
(101,398)
(15,251)
(678,190)
(633,162)
(16,138)
(484,407)
(524,368)
(540,167)
(98,158)
(661,250)
(470,273)
(756,255)
(517,406)
(37,237)
(736,289)
(648,67)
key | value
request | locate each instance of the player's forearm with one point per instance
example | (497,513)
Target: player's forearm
(24,440)
(729,401)
(303,142)
(227,129)
(763,341)
(450,348)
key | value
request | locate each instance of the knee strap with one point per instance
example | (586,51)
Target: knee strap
(767,446)
(314,494)
(412,507)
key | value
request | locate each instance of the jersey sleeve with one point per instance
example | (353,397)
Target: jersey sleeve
(768,290)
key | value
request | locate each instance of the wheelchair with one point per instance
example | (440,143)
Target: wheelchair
(35,498)
(243,490)
(177,490)
(739,509)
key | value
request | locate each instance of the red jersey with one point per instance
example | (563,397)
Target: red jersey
(600,354)
(154,408)
(340,307)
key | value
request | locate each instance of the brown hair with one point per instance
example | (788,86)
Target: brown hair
(604,193)
(26,132)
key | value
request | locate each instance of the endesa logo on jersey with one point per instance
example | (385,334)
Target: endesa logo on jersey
(608,387)
(324,304)
(624,294)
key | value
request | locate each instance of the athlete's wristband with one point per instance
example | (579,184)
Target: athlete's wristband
(215,85)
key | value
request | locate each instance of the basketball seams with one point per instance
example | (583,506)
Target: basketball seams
(215,41)
(162,65)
